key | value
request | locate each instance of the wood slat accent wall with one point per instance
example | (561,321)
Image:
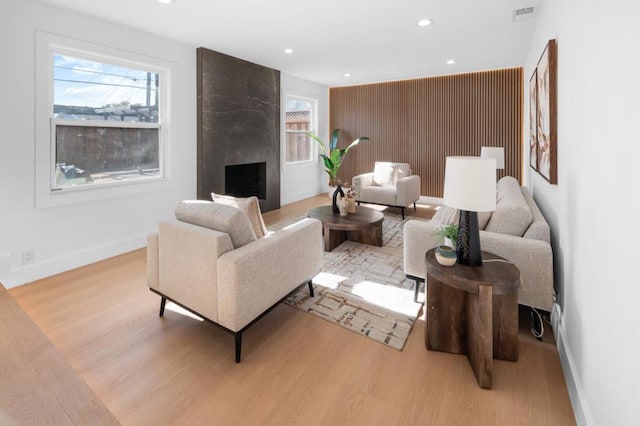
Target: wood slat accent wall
(423,121)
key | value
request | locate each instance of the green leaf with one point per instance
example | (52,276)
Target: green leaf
(334,140)
(336,157)
(317,139)
(355,142)
(328,163)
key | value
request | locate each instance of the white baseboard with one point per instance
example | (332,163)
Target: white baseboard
(16,276)
(574,386)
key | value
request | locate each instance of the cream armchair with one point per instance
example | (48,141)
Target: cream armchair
(390,184)
(210,262)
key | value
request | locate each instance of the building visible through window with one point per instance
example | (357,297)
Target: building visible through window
(106,124)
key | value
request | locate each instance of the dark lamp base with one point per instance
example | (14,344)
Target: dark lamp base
(468,247)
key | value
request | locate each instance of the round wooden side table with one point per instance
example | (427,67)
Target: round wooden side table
(473,311)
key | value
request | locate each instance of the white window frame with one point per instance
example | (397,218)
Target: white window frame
(314,129)
(47,194)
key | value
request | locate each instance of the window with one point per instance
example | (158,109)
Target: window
(106,123)
(300,119)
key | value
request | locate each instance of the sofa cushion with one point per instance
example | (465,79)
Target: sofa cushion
(512,215)
(379,195)
(250,206)
(218,217)
(402,171)
(449,216)
(384,174)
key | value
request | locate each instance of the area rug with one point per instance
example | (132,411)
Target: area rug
(363,288)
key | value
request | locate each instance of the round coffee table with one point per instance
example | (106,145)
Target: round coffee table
(473,310)
(364,226)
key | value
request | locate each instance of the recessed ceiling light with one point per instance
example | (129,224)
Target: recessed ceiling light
(165,1)
(347,74)
(424,22)
(451,61)
(288,51)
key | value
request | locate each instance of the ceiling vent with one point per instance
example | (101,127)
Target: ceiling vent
(523,13)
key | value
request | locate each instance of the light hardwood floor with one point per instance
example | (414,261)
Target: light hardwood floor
(296,368)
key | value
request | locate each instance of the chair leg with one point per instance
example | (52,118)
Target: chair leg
(163,302)
(311,288)
(402,210)
(238,340)
(415,291)
(414,206)
(358,202)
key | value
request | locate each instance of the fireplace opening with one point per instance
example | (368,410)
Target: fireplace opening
(246,180)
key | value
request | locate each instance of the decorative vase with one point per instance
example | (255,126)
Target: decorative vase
(351,204)
(339,192)
(446,256)
(342,205)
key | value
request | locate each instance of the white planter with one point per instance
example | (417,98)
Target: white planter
(449,243)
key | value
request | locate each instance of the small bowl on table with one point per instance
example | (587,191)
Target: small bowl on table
(446,256)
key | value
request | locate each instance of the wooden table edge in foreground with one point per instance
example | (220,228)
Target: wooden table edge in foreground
(473,311)
(38,385)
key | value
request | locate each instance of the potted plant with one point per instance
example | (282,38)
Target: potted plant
(450,235)
(334,156)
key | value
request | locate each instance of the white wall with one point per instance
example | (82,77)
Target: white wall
(304,180)
(65,237)
(592,210)
(68,236)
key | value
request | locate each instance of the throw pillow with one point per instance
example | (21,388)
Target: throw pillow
(512,215)
(384,174)
(402,171)
(250,206)
(218,217)
(449,216)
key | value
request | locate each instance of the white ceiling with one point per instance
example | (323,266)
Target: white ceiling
(373,40)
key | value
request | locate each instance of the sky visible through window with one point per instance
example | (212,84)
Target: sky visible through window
(80,82)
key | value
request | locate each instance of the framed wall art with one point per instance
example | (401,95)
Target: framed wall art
(533,121)
(546,113)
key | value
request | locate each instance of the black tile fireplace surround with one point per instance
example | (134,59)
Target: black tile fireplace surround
(238,110)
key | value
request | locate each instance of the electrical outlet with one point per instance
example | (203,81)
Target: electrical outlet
(28,257)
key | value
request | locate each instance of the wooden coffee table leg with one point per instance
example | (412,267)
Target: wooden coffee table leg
(333,238)
(372,235)
(480,334)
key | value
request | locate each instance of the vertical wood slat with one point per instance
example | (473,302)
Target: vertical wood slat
(422,121)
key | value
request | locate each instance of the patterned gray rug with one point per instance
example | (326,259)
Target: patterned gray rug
(363,288)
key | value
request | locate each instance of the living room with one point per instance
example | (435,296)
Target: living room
(597,58)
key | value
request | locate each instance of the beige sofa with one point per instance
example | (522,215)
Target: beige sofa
(390,184)
(209,261)
(516,230)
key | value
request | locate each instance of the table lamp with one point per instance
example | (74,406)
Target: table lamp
(470,186)
(493,152)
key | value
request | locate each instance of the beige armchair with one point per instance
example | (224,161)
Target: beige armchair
(390,184)
(210,262)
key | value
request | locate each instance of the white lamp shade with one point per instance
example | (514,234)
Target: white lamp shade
(470,183)
(493,152)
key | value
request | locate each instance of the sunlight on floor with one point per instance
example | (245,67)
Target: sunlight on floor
(392,298)
(177,309)
(427,206)
(328,280)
